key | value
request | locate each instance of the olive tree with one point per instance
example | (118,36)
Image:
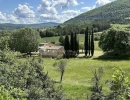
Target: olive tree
(25,40)
(61,67)
(115,41)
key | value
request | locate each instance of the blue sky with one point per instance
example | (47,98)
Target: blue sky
(41,11)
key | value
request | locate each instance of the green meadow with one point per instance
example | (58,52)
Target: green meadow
(77,77)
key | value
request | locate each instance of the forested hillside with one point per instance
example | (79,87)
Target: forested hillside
(115,12)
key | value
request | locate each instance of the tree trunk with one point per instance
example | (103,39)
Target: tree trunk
(61,77)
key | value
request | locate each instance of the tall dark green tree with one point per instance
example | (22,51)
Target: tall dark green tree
(76,44)
(89,44)
(67,45)
(86,41)
(72,41)
(92,43)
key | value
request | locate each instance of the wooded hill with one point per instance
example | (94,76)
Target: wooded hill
(115,12)
(17,26)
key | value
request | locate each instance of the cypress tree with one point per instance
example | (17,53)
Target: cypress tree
(92,43)
(86,42)
(77,44)
(72,42)
(89,45)
(67,45)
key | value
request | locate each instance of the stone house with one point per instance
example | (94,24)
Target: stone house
(50,50)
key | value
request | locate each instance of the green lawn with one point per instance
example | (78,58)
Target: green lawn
(78,73)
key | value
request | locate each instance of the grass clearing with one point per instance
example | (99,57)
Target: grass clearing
(77,77)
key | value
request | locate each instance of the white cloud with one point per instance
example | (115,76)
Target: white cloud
(65,3)
(24,11)
(12,19)
(102,2)
(8,18)
(97,4)
(46,8)
(47,11)
(88,8)
(46,3)
(68,14)
(2,18)
(81,2)
(74,2)
(48,18)
(72,12)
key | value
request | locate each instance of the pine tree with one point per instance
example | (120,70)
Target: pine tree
(86,41)
(92,43)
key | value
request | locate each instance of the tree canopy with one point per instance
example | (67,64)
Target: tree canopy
(25,40)
(115,41)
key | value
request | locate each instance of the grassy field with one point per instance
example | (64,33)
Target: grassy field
(77,77)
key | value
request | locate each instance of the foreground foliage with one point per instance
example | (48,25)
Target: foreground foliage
(118,85)
(27,79)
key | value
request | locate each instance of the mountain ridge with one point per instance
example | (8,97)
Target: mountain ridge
(114,12)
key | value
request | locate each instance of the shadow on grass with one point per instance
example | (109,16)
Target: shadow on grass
(87,57)
(108,57)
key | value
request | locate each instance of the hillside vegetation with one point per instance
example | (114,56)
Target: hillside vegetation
(115,12)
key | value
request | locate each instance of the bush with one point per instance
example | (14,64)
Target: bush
(97,38)
(115,41)
(61,40)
